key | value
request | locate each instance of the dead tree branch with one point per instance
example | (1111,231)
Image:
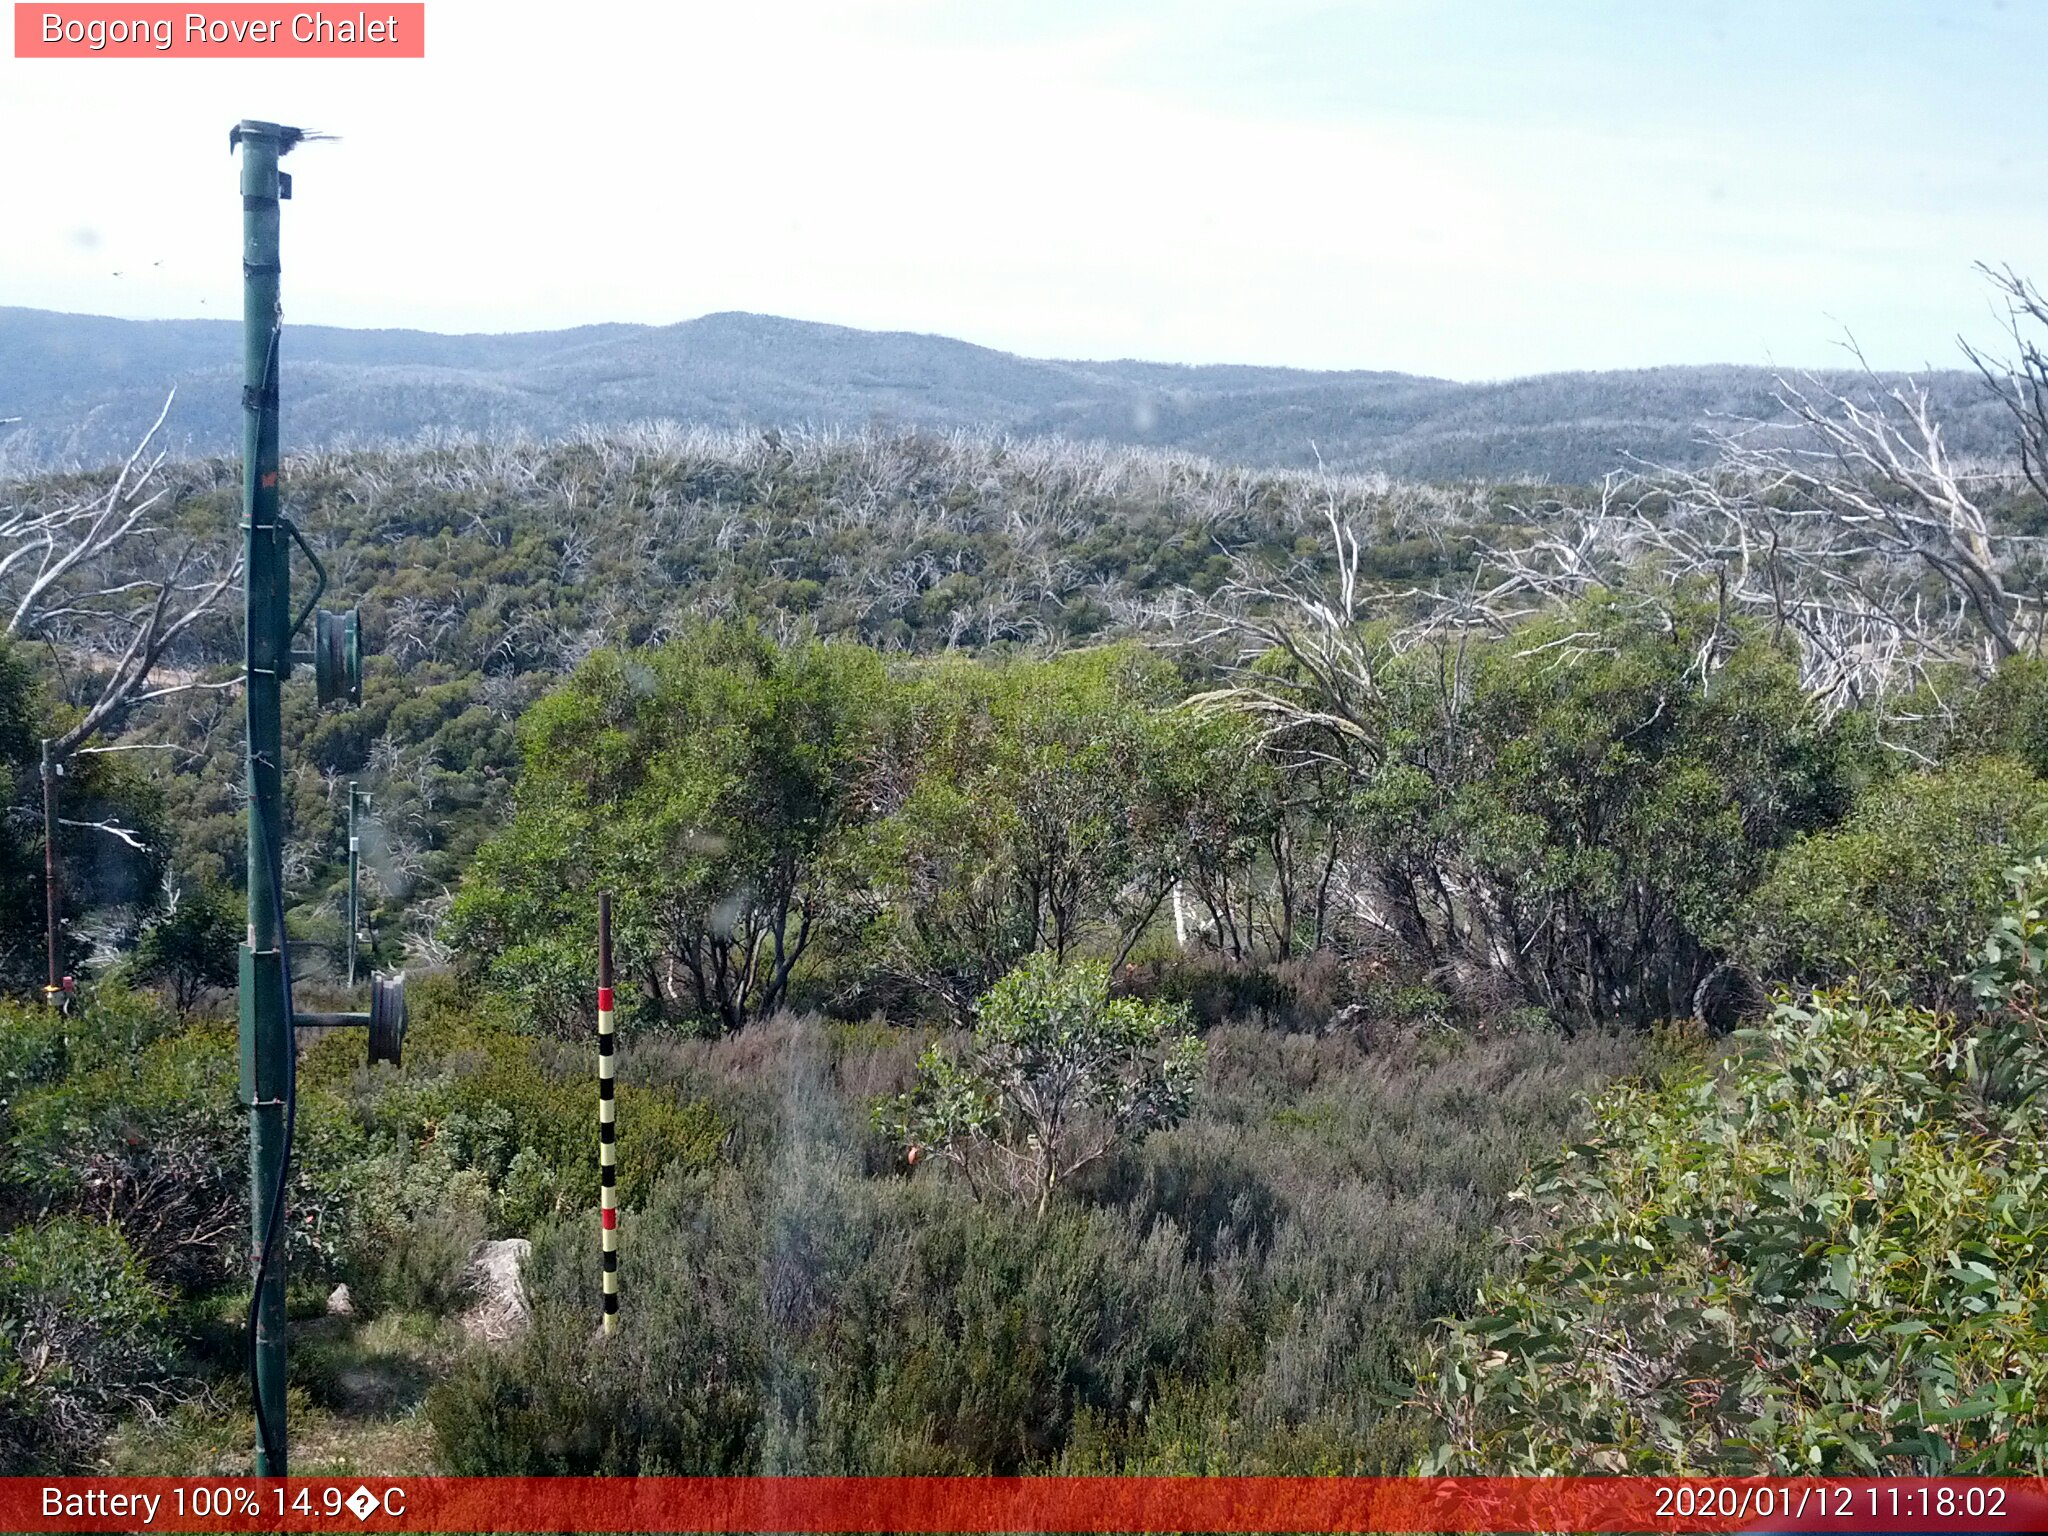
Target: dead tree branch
(97,574)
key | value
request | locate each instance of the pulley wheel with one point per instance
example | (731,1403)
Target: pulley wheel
(338,657)
(387,1018)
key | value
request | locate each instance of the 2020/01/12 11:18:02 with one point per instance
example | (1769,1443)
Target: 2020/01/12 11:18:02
(1988,1506)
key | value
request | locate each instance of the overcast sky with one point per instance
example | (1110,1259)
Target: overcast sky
(1467,189)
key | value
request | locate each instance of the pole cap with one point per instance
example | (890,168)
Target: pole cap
(256,128)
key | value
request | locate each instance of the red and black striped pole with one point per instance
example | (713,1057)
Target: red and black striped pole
(607,1118)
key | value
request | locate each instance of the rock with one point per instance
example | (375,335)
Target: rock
(340,1303)
(496,1279)
(1350,1016)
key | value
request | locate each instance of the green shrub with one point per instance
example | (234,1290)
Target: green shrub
(146,1139)
(422,1262)
(35,1048)
(827,1323)
(1577,834)
(1236,1293)
(719,779)
(1902,890)
(404,1172)
(2005,716)
(2013,962)
(39,1045)
(82,1337)
(1035,807)
(1824,1259)
(657,1137)
(1058,1074)
(123,1113)
(190,948)
(1292,994)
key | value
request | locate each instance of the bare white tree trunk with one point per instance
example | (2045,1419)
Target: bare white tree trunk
(103,578)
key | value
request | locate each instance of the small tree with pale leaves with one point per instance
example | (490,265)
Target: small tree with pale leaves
(1057,1073)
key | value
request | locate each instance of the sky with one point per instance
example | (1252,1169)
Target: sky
(1470,189)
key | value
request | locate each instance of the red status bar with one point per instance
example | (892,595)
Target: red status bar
(1051,1504)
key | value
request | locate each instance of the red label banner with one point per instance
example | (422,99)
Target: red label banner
(227,31)
(991,1504)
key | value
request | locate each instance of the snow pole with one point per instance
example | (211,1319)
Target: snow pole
(607,1118)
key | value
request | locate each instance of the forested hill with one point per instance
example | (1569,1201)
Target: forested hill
(85,386)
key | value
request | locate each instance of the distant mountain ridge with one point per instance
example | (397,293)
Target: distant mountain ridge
(85,386)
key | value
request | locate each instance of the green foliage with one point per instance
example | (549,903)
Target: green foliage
(2014,958)
(97,871)
(1904,887)
(1255,824)
(125,1115)
(191,947)
(1601,800)
(789,816)
(135,1127)
(1823,1259)
(478,1137)
(1058,1074)
(1300,994)
(1235,1293)
(812,1358)
(2004,716)
(1232,1292)
(491,571)
(21,876)
(1030,811)
(715,780)
(83,1336)
(1561,823)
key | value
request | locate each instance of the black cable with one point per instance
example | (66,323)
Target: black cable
(271,1435)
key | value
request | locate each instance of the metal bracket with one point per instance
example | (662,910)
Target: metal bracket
(386,1019)
(319,576)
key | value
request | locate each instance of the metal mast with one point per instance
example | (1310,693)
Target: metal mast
(268,1019)
(266,1027)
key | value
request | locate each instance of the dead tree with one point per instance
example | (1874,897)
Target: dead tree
(1845,526)
(1328,686)
(2021,380)
(103,578)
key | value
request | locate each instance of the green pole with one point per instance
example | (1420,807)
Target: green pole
(266,1027)
(354,909)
